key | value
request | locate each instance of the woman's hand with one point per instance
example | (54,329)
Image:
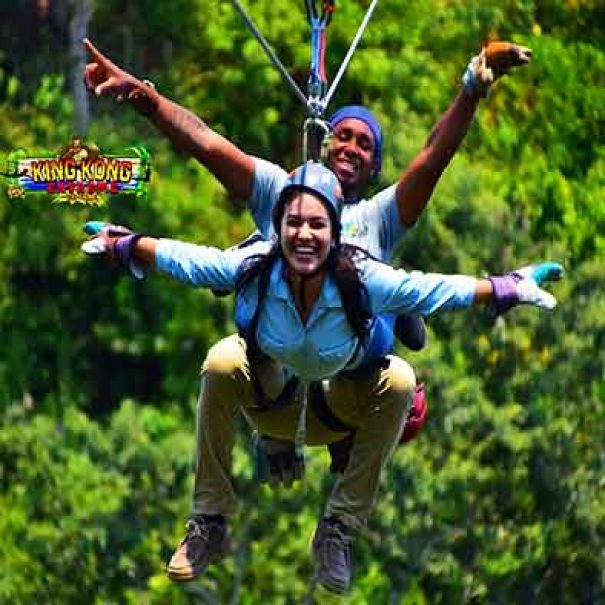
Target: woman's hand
(523,286)
(117,243)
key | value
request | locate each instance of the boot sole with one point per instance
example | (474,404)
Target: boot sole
(326,596)
(336,589)
(187,575)
(333,588)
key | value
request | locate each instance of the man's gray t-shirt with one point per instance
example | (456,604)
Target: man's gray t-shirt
(372,224)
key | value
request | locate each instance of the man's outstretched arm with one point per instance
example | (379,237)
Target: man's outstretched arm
(418,181)
(187,132)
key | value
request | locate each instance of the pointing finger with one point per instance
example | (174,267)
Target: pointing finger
(96,54)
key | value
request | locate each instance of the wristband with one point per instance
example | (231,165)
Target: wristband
(505,294)
(478,77)
(142,101)
(123,252)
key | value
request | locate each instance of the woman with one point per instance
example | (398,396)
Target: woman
(305,308)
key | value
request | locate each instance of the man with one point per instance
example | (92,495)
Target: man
(375,224)
(355,153)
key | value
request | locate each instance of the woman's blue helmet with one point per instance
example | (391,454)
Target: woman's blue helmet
(318,180)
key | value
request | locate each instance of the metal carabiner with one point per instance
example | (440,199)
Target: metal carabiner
(316,138)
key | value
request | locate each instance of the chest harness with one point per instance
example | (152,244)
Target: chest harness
(316,132)
(378,344)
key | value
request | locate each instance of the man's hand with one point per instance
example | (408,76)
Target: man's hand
(494,60)
(502,56)
(186,131)
(104,78)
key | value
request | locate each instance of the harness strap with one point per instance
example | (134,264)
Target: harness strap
(301,423)
(255,355)
(317,84)
(317,401)
(320,406)
(263,403)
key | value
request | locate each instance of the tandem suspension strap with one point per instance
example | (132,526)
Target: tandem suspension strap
(315,128)
(317,85)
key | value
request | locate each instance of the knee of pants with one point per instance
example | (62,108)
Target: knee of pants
(401,377)
(225,357)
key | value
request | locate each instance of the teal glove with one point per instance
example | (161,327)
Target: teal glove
(523,287)
(116,242)
(532,277)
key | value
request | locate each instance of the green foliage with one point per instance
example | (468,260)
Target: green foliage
(87,509)
(498,501)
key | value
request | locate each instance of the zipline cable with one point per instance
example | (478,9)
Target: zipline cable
(349,55)
(275,60)
(315,128)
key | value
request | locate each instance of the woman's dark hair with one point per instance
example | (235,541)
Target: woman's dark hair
(353,293)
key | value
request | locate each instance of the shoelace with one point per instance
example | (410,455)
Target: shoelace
(196,529)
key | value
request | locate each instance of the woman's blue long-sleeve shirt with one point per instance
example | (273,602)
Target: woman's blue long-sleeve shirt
(325,344)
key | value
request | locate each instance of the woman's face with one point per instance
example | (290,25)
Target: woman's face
(306,233)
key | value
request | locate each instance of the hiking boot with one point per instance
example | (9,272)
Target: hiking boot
(332,551)
(206,541)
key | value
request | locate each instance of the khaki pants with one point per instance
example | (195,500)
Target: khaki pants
(376,405)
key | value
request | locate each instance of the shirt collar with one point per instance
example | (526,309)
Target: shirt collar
(328,297)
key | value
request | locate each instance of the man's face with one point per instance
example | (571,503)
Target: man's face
(351,155)
(306,233)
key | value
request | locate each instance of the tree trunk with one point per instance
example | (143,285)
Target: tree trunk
(78,28)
